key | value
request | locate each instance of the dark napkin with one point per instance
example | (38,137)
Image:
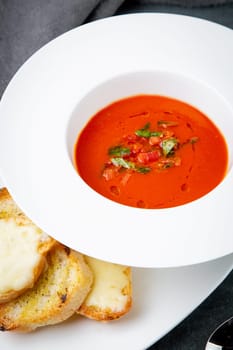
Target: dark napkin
(26,25)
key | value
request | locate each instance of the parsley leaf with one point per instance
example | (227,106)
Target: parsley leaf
(143,170)
(118,151)
(194,139)
(119,161)
(145,132)
(168,145)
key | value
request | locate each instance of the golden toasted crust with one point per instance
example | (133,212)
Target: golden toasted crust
(58,293)
(111,293)
(62,279)
(16,227)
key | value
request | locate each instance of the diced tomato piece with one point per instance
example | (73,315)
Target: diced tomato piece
(126,178)
(177,161)
(136,148)
(167,134)
(165,163)
(109,173)
(147,157)
(154,140)
(131,138)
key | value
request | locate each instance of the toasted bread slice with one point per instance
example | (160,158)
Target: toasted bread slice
(111,293)
(23,247)
(58,293)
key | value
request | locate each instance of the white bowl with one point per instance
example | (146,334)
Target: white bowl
(60,87)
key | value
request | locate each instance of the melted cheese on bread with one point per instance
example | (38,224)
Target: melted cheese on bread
(111,293)
(56,295)
(23,247)
(19,254)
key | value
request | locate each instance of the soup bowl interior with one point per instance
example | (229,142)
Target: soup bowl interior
(196,93)
(189,220)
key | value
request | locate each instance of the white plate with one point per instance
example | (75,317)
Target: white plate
(38,104)
(162,298)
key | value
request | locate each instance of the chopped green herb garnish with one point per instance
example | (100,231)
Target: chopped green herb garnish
(138,155)
(168,145)
(121,162)
(143,170)
(156,133)
(145,132)
(146,126)
(118,151)
(194,139)
(168,165)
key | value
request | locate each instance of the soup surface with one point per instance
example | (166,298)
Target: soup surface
(150,151)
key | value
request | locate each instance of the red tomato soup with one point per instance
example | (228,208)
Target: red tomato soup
(150,151)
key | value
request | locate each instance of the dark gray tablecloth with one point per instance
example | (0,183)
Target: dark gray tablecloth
(26,25)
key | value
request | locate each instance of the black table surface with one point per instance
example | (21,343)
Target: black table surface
(193,332)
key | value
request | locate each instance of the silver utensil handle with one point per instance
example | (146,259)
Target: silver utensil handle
(211,346)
